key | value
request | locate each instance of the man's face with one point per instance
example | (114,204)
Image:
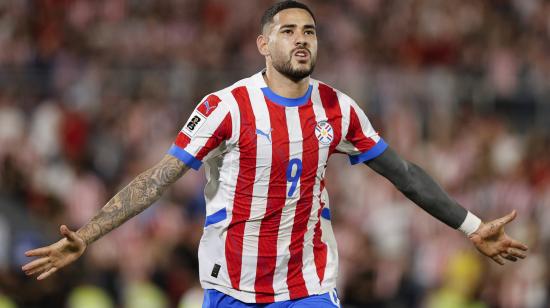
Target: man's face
(292,43)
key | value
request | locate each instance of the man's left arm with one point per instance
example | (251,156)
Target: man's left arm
(489,238)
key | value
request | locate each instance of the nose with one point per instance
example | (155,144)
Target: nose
(301,40)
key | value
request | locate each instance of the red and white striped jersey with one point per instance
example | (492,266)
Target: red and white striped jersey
(267,235)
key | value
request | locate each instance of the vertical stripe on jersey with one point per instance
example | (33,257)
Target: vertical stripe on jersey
(319,247)
(293,190)
(244,187)
(260,191)
(310,151)
(329,98)
(276,197)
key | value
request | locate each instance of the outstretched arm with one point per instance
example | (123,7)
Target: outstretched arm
(419,187)
(145,189)
(489,238)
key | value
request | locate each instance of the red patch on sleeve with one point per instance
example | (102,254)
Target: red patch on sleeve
(209,104)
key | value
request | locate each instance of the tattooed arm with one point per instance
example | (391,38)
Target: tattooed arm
(145,189)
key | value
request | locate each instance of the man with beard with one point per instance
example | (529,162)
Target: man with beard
(265,142)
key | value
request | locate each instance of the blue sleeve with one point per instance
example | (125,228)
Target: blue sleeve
(188,159)
(372,153)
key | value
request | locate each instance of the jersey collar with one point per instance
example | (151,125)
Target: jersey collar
(281,100)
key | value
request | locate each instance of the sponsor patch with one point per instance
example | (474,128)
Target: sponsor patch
(195,122)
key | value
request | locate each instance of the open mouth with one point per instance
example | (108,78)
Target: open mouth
(302,54)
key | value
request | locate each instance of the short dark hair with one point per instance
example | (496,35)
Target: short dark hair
(279,6)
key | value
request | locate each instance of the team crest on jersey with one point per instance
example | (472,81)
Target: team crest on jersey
(324,132)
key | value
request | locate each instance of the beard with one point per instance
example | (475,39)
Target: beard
(294,74)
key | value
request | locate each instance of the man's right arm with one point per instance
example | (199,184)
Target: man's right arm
(143,191)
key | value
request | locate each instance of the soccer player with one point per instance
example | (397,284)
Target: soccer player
(265,142)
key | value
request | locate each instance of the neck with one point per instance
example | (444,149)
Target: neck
(284,86)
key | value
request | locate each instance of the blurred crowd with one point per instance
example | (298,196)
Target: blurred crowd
(93,92)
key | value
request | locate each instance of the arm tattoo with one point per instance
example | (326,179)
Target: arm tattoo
(145,189)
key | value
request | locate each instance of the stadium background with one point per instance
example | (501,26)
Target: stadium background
(94,92)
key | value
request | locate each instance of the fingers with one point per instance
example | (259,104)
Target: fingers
(47,273)
(38,270)
(39,252)
(518,245)
(510,254)
(68,234)
(35,264)
(508,257)
(498,259)
(506,219)
(515,253)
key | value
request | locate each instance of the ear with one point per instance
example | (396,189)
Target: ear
(261,42)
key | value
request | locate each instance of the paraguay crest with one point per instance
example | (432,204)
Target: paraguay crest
(324,132)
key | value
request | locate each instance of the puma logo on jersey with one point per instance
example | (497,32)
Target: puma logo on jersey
(208,105)
(267,135)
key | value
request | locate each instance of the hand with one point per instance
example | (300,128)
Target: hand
(55,256)
(491,241)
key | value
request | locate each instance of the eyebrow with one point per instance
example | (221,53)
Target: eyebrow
(308,26)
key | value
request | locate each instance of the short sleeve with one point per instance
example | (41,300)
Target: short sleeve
(205,131)
(361,142)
